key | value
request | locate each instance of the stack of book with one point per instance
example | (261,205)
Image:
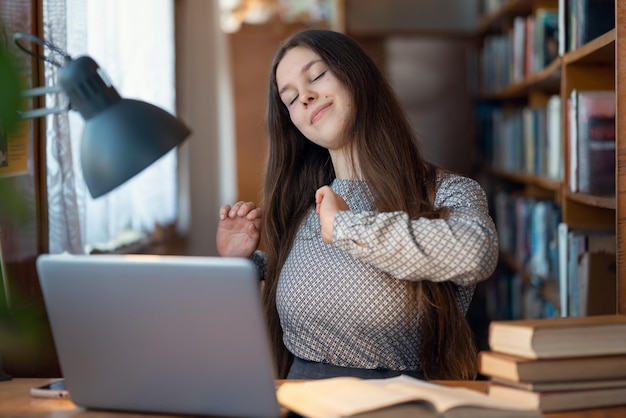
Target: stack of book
(558,364)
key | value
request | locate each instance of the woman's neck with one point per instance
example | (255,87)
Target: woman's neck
(346,164)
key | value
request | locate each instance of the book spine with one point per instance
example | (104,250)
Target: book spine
(572,134)
(554,146)
(546,43)
(572,28)
(575,250)
(562,28)
(596,143)
(563,250)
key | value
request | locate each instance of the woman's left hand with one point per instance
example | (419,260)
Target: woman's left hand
(327,204)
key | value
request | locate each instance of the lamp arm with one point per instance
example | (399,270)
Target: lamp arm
(42,91)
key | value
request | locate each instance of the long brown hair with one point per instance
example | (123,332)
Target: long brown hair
(397,175)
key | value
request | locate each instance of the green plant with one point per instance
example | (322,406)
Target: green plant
(11,205)
(9,90)
(11,202)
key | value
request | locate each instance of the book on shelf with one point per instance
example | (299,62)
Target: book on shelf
(560,337)
(527,46)
(571,133)
(518,49)
(587,271)
(545,37)
(507,139)
(597,283)
(529,246)
(495,62)
(516,369)
(562,33)
(529,53)
(562,248)
(392,397)
(589,19)
(535,140)
(576,241)
(591,135)
(596,142)
(564,400)
(554,159)
(503,297)
(530,137)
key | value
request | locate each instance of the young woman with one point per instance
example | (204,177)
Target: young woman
(372,254)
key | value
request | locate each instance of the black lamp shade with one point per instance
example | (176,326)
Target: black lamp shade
(121,137)
(122,140)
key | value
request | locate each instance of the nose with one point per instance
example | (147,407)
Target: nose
(308,97)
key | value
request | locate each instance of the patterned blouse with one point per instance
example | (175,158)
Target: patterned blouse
(345,303)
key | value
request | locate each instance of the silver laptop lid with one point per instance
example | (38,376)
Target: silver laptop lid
(166,334)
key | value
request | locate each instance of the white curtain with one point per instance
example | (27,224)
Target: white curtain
(133,42)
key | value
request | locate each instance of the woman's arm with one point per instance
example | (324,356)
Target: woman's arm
(259,258)
(462,248)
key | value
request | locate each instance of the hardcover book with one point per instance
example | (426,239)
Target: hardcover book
(597,283)
(587,271)
(520,369)
(590,19)
(596,142)
(560,400)
(571,133)
(546,42)
(560,337)
(563,385)
(554,160)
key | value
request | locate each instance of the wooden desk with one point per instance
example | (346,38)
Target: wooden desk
(15,401)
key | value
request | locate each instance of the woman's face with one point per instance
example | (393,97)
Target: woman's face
(319,104)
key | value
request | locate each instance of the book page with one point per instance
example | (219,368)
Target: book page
(444,398)
(346,396)
(337,397)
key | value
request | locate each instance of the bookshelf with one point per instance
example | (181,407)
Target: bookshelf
(595,64)
(620,208)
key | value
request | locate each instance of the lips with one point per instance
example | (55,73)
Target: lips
(319,112)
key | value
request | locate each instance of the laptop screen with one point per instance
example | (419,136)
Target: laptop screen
(166,334)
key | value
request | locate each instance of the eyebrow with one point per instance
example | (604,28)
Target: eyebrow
(302,71)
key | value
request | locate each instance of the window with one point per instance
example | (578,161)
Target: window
(133,42)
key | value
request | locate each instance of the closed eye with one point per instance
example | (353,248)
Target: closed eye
(320,76)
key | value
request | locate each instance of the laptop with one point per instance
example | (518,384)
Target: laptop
(160,334)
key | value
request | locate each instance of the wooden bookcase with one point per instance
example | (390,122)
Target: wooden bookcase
(620,207)
(598,64)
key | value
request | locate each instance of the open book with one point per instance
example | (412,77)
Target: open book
(349,396)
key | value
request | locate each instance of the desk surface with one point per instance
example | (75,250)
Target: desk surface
(15,401)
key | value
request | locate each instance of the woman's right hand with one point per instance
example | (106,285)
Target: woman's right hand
(239,230)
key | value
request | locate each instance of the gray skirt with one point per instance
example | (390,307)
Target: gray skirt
(305,369)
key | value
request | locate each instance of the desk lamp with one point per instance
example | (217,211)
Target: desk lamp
(121,137)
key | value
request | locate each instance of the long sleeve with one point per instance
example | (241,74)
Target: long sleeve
(259,258)
(462,248)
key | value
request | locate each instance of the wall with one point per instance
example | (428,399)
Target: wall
(430,76)
(411,16)
(251,51)
(204,102)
